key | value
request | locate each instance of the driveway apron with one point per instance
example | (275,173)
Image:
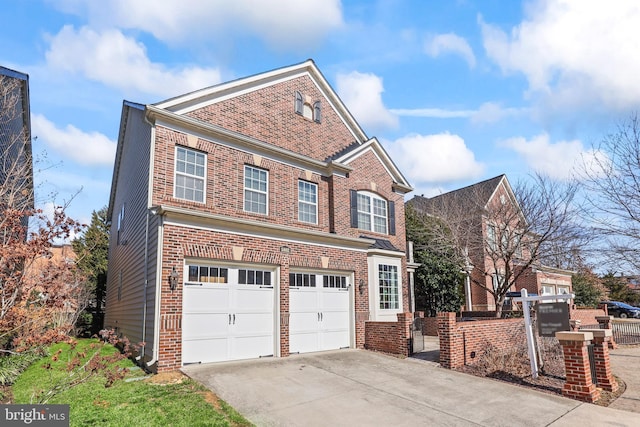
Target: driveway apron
(357,387)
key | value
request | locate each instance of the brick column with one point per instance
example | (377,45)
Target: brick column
(405,320)
(605,323)
(451,356)
(601,339)
(576,361)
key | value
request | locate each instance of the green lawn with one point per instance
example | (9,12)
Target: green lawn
(127,402)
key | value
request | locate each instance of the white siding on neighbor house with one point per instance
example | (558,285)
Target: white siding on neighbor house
(125,304)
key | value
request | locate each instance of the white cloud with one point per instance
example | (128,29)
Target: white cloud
(489,112)
(436,113)
(434,159)
(85,148)
(281,23)
(573,53)
(493,112)
(450,43)
(115,60)
(560,160)
(362,94)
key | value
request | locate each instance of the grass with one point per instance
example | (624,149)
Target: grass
(129,401)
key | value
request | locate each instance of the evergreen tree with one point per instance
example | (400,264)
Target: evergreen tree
(438,280)
(618,289)
(92,250)
(588,288)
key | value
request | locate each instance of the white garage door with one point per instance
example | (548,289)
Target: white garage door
(227,314)
(319,312)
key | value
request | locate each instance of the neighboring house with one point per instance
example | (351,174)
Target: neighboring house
(253,218)
(487,214)
(16,167)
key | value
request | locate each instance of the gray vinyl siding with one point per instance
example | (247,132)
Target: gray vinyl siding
(125,306)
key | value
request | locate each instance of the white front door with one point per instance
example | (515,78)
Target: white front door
(228,314)
(319,312)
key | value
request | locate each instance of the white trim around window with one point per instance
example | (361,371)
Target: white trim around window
(190,175)
(373,212)
(256,190)
(307,202)
(385,288)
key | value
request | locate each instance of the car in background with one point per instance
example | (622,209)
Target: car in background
(622,310)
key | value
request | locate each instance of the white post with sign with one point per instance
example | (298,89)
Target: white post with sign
(528,325)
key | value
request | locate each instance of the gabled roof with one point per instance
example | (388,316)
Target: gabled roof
(471,197)
(353,151)
(199,98)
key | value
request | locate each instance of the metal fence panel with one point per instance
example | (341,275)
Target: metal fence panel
(626,331)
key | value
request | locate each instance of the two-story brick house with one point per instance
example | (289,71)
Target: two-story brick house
(252,218)
(491,222)
(16,166)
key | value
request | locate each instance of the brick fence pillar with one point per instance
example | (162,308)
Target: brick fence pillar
(601,339)
(405,320)
(451,356)
(605,323)
(576,361)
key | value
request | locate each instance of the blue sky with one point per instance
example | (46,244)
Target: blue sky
(457,91)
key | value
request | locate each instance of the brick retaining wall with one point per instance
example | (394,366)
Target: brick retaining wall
(463,343)
(389,337)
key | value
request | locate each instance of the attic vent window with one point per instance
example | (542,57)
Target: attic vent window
(304,107)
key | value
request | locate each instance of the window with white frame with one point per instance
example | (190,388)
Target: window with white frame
(307,202)
(498,280)
(190,174)
(388,287)
(255,189)
(491,237)
(372,212)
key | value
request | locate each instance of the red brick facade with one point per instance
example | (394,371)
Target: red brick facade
(390,337)
(260,128)
(463,343)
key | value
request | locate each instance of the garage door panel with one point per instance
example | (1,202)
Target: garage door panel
(300,322)
(303,299)
(227,321)
(205,325)
(205,299)
(205,350)
(334,299)
(250,347)
(253,323)
(255,298)
(334,339)
(304,342)
(319,317)
(335,320)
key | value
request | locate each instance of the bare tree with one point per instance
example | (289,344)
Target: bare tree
(612,179)
(498,233)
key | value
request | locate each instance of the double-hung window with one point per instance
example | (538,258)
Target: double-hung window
(255,189)
(372,212)
(307,202)
(388,287)
(190,174)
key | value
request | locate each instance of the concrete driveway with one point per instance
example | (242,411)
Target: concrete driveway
(362,388)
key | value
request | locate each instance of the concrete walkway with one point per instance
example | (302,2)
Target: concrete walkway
(625,363)
(362,388)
